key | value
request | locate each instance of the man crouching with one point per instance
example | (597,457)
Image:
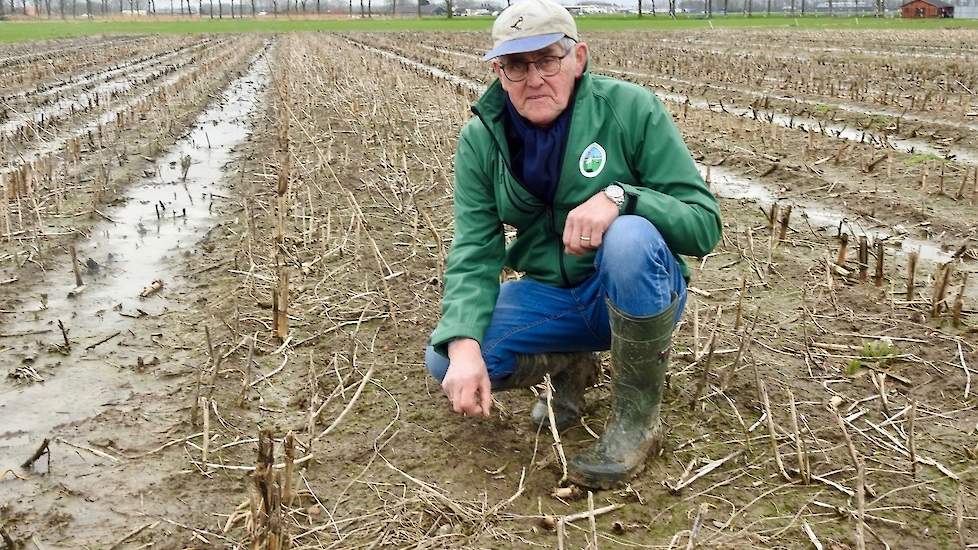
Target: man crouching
(604,196)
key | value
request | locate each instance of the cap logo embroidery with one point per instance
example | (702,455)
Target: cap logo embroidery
(592,160)
(516,25)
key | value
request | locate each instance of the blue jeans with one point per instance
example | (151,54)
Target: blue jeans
(635,271)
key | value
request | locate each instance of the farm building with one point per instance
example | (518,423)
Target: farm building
(926,8)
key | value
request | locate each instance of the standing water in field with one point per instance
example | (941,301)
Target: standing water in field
(61,378)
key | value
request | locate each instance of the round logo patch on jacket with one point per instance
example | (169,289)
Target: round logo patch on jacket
(592,160)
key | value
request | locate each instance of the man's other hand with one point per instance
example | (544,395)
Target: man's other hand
(467,381)
(586,224)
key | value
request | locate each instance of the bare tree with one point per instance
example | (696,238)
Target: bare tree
(831,9)
(672,8)
(769,8)
(448,6)
(639,9)
(393,7)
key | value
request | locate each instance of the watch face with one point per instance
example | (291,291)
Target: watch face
(615,192)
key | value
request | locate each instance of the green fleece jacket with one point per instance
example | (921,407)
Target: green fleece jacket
(619,132)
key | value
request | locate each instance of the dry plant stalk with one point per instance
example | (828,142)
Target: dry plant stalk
(974,193)
(940,289)
(745,343)
(289,450)
(959,302)
(281,304)
(711,346)
(911,272)
(860,505)
(801,448)
(249,362)
(959,515)
(772,432)
(591,521)
(863,258)
(843,249)
(205,444)
(74,266)
(853,455)
(773,216)
(878,279)
(911,440)
(267,529)
(553,427)
(785,217)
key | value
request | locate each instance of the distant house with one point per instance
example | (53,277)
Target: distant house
(926,8)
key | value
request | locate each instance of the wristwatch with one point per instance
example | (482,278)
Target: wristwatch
(616,194)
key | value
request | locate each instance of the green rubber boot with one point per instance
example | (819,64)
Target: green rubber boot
(639,357)
(570,383)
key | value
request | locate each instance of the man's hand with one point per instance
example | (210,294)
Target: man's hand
(467,381)
(586,224)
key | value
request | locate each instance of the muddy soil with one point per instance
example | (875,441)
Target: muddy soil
(90,367)
(366,224)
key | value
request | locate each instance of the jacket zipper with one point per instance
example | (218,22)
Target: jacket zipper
(560,247)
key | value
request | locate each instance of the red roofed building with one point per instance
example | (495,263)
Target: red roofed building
(926,8)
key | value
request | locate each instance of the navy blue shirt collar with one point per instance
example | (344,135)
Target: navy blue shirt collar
(536,154)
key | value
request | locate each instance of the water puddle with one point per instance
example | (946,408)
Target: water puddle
(726,184)
(162,217)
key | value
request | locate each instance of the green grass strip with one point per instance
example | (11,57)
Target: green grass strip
(21,31)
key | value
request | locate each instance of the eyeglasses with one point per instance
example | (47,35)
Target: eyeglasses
(548,65)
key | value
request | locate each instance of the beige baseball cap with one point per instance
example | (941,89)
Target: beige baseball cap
(530,25)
